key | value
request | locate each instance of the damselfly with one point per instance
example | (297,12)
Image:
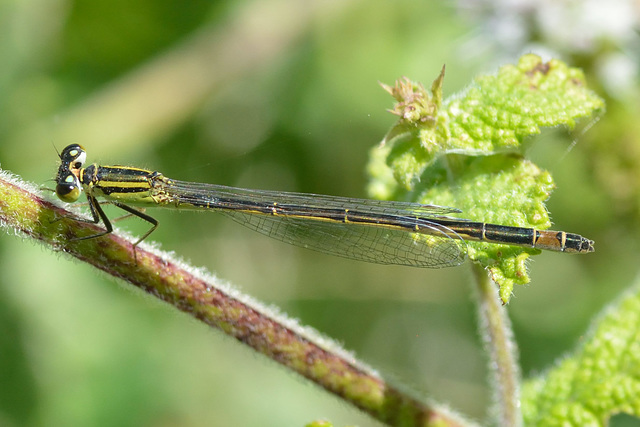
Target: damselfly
(384,232)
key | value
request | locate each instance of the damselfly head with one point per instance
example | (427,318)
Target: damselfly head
(68,187)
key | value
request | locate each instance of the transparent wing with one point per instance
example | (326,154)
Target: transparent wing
(383,233)
(190,192)
(374,244)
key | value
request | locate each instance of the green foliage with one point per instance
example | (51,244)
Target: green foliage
(495,114)
(466,152)
(601,379)
(483,184)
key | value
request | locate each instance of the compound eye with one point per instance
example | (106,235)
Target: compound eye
(68,190)
(74,155)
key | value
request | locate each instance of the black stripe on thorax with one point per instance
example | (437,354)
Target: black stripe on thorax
(122,174)
(118,179)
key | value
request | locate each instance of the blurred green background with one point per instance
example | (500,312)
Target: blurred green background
(284,95)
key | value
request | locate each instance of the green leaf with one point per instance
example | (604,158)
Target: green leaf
(465,152)
(495,114)
(600,379)
(483,184)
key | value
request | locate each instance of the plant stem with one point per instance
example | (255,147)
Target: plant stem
(497,336)
(214,302)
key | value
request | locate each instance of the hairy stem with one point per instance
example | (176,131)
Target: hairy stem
(24,212)
(497,337)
